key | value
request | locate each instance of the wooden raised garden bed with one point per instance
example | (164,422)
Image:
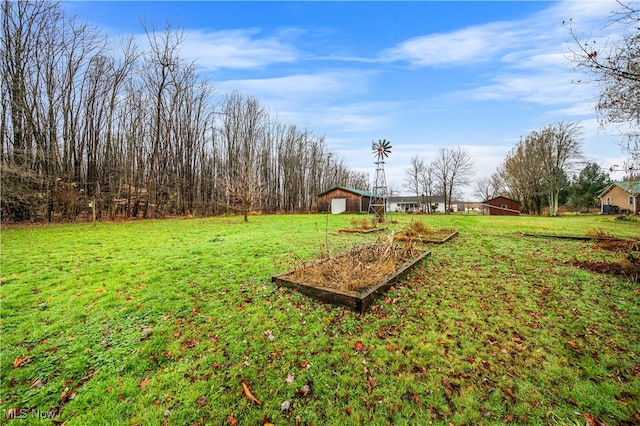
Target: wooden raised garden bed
(362,226)
(337,281)
(418,232)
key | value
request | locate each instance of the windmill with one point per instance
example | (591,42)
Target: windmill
(378,206)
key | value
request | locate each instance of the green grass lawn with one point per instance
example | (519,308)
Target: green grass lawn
(161,322)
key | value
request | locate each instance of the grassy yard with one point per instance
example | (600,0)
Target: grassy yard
(177,322)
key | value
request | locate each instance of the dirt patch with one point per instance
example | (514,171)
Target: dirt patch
(618,245)
(612,268)
(629,267)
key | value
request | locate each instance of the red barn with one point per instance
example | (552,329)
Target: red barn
(501,206)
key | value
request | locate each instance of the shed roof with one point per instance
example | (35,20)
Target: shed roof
(360,192)
(632,187)
(501,196)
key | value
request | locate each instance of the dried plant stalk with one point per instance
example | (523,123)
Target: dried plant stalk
(358,268)
(417,231)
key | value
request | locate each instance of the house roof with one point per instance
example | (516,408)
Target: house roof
(500,196)
(632,187)
(360,192)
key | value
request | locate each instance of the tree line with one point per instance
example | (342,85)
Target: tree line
(546,170)
(92,124)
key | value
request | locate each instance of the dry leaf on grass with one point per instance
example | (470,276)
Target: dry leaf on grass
(21,360)
(249,395)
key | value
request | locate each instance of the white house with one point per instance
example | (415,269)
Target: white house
(412,204)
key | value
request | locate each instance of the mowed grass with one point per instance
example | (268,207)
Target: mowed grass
(161,322)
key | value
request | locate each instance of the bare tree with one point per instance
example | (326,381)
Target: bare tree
(559,147)
(135,132)
(521,174)
(453,169)
(412,181)
(615,67)
(538,166)
(243,119)
(483,189)
(428,184)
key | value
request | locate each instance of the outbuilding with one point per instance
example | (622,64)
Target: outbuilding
(621,197)
(501,206)
(339,199)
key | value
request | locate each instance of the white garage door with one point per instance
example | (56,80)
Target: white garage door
(338,205)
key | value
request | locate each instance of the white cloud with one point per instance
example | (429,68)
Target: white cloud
(235,49)
(472,44)
(300,85)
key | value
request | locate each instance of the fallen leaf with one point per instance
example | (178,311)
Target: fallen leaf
(510,393)
(359,347)
(144,382)
(249,395)
(371,383)
(573,344)
(21,360)
(146,333)
(232,420)
(591,421)
(36,384)
(290,378)
(202,401)
(68,395)
(447,384)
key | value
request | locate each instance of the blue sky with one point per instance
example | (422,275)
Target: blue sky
(423,75)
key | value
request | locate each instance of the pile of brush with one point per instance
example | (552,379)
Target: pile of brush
(418,232)
(358,268)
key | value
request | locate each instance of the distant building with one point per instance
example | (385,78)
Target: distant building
(414,204)
(501,206)
(339,199)
(472,207)
(621,197)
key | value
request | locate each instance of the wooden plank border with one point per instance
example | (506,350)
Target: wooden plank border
(362,231)
(573,237)
(357,302)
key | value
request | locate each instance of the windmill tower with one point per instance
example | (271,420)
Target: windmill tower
(378,206)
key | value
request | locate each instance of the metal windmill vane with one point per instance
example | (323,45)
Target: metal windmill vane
(378,205)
